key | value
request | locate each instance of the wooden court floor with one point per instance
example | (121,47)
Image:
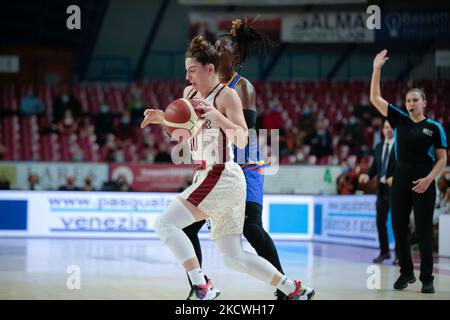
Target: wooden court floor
(145,269)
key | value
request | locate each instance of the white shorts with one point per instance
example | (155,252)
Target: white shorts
(220,191)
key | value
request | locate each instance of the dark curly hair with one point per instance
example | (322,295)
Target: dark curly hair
(246,38)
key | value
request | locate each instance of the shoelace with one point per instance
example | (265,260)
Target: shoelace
(297,290)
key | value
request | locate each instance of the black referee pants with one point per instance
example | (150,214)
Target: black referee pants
(403,201)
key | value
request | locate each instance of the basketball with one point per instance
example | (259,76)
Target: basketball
(181,118)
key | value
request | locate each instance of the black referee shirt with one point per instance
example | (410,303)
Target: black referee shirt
(415,143)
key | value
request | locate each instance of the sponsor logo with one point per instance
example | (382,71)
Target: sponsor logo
(428,132)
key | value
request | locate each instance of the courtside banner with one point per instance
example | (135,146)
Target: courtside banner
(348,220)
(82,214)
(289,217)
(303,180)
(211,24)
(154,177)
(326,27)
(52,175)
(338,219)
(414,25)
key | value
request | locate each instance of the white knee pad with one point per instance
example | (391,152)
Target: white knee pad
(163,228)
(168,227)
(175,216)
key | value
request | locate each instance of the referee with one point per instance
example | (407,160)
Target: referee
(420,147)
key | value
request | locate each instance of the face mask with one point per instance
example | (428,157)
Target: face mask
(120,158)
(104,108)
(78,157)
(68,121)
(65,98)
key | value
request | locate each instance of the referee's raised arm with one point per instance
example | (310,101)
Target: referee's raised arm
(375,91)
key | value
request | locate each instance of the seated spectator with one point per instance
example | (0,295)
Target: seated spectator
(136,106)
(307,119)
(124,129)
(163,155)
(30,104)
(320,140)
(67,125)
(70,185)
(122,184)
(148,154)
(118,155)
(4,183)
(104,123)
(272,118)
(88,184)
(344,185)
(66,101)
(33,182)
(443,197)
(77,153)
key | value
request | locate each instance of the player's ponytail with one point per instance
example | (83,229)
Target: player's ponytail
(247,38)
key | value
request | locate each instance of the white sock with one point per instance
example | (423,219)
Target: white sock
(197,277)
(286,285)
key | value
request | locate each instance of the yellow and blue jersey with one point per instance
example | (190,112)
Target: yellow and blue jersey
(250,160)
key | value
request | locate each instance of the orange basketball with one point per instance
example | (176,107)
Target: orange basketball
(182,120)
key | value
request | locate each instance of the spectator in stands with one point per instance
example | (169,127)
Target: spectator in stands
(124,129)
(136,106)
(70,185)
(272,118)
(88,184)
(307,118)
(344,186)
(118,155)
(163,154)
(364,111)
(4,183)
(148,154)
(30,104)
(355,129)
(443,197)
(33,182)
(66,101)
(320,140)
(77,153)
(67,125)
(104,123)
(122,184)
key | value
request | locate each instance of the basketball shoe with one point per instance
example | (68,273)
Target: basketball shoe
(301,292)
(203,292)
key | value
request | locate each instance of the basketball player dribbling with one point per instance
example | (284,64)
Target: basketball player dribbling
(234,48)
(218,192)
